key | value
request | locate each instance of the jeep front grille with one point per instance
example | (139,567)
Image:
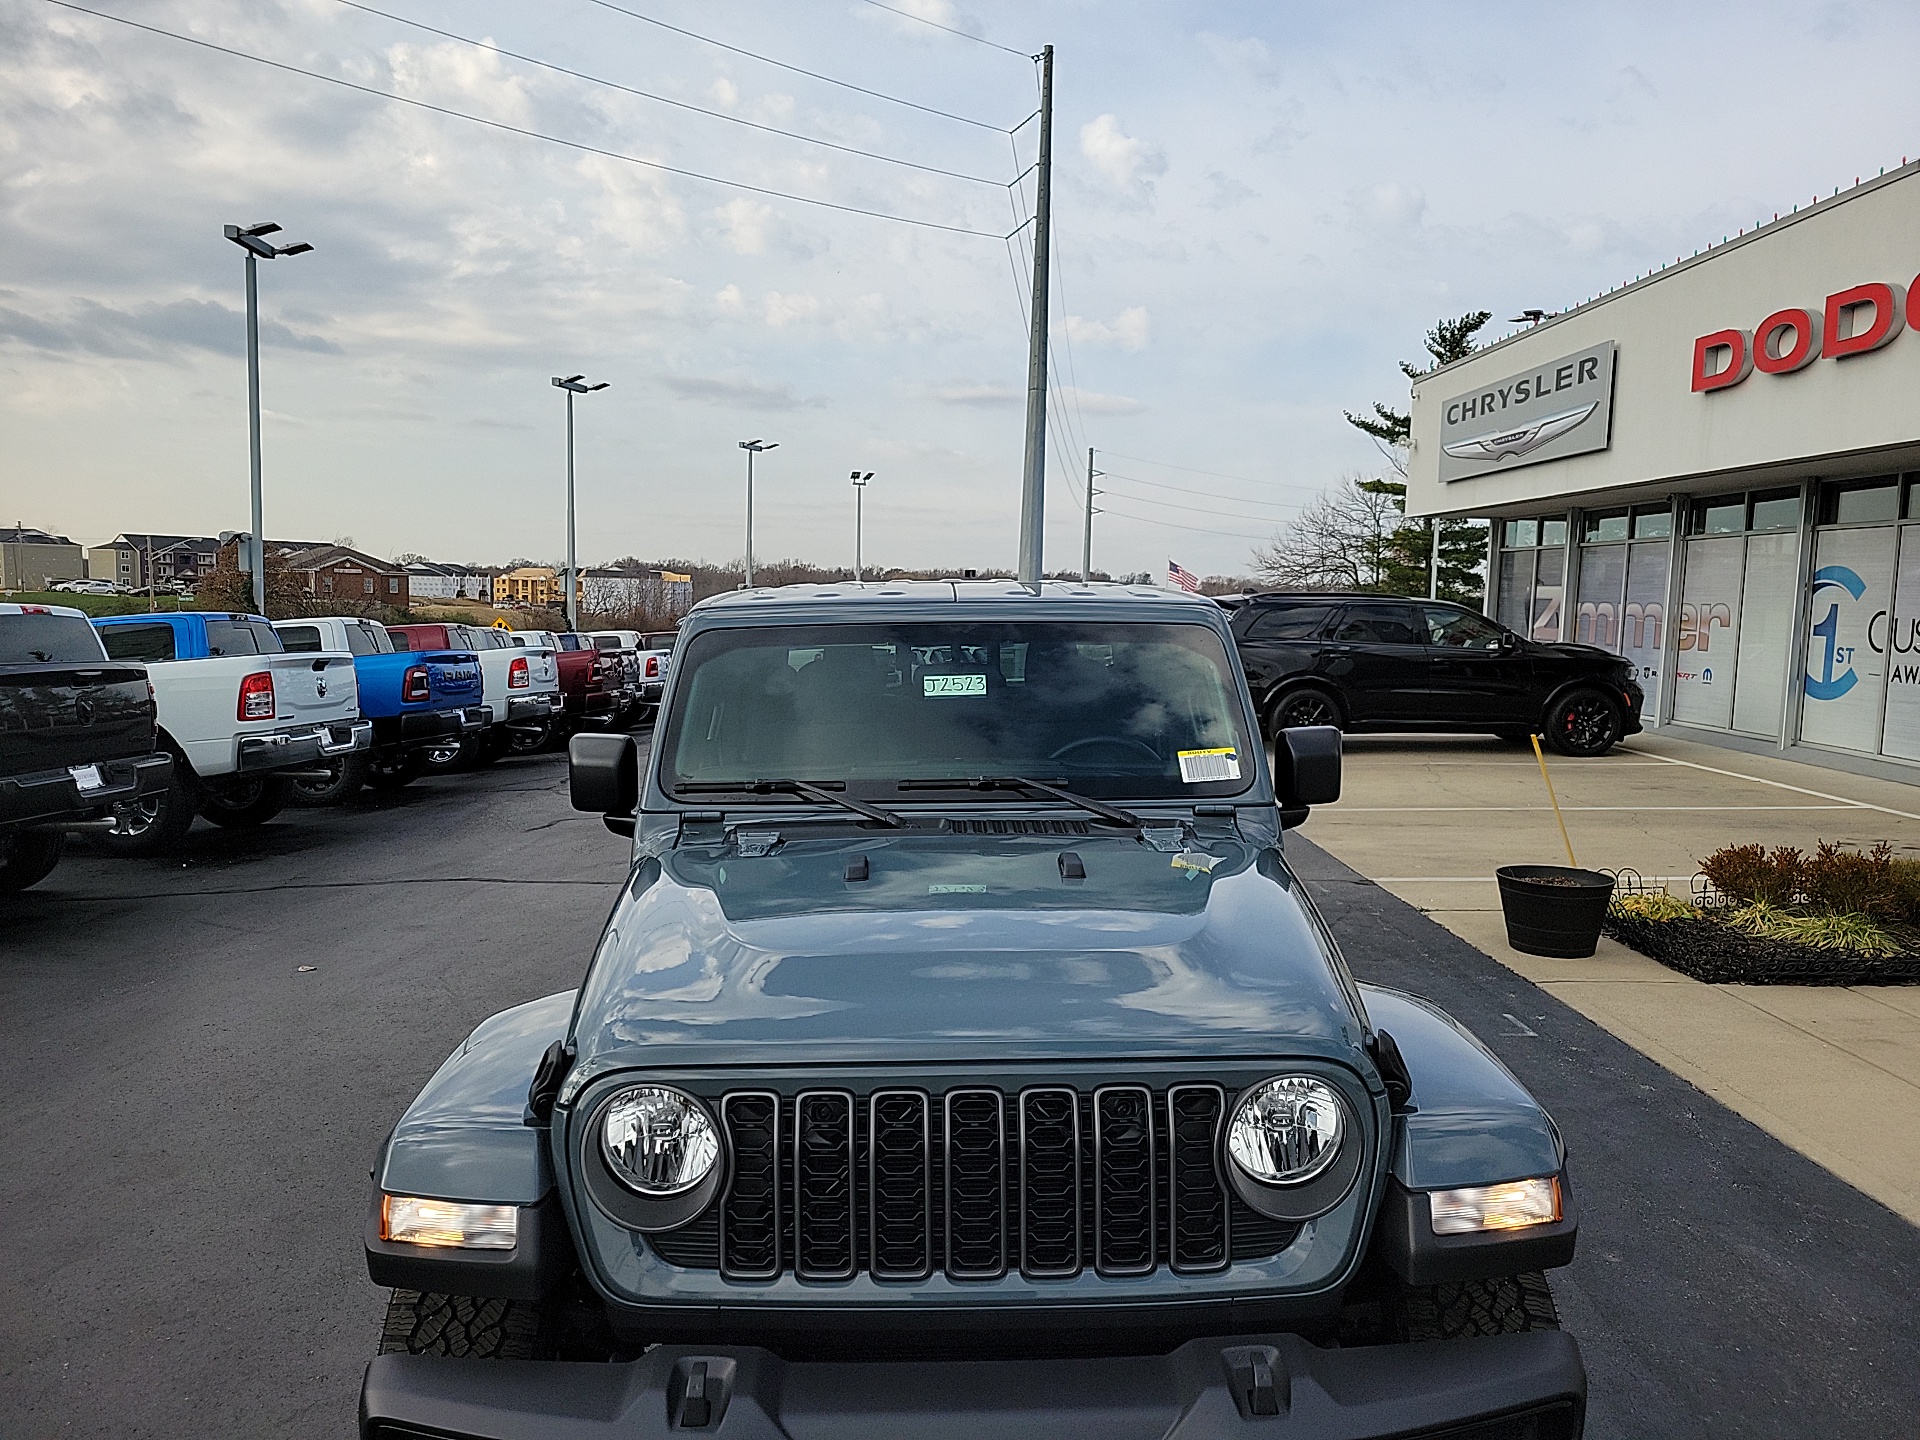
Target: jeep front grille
(974,1183)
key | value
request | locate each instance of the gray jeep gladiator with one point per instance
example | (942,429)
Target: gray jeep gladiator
(962,1058)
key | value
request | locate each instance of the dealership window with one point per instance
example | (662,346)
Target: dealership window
(1736,610)
(1860,690)
(1621,606)
(1531,590)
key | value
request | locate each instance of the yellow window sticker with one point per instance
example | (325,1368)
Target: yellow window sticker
(1199,766)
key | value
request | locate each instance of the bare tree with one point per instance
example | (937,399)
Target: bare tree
(1339,542)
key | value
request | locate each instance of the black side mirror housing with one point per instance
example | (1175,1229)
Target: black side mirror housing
(1509,642)
(603,774)
(1306,770)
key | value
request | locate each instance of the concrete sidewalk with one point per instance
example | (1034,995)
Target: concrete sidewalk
(1833,1072)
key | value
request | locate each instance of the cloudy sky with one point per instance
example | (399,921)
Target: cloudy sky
(1260,207)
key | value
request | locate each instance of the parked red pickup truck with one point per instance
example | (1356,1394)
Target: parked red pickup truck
(595,688)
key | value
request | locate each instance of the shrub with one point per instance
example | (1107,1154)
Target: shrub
(1845,882)
(1905,877)
(1850,931)
(1652,905)
(1751,873)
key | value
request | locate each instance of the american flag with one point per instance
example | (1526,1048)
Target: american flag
(1185,579)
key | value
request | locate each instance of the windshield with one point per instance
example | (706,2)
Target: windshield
(1148,711)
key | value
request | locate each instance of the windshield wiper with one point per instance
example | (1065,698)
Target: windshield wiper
(792,787)
(1110,813)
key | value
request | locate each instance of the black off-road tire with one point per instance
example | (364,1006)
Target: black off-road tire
(27,857)
(531,738)
(1305,705)
(1470,1308)
(349,774)
(159,821)
(240,805)
(1582,724)
(427,1324)
(388,771)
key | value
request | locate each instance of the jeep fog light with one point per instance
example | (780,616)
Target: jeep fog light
(1512,1206)
(658,1141)
(449,1222)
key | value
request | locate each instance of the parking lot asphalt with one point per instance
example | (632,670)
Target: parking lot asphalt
(191,1115)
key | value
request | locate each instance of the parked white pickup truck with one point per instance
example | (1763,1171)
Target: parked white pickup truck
(522,685)
(241,716)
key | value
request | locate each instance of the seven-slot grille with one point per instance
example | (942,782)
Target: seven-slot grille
(975,1182)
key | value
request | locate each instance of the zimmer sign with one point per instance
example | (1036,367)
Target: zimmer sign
(1561,408)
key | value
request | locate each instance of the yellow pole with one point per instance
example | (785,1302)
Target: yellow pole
(1540,755)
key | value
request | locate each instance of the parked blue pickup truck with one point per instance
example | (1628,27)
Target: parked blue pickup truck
(415,700)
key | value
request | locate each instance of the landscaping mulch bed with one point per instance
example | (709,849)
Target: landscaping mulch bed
(1706,950)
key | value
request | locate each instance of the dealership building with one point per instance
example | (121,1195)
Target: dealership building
(1715,472)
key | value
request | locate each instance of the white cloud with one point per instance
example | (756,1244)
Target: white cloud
(1129,330)
(783,310)
(991,397)
(1125,160)
(730,301)
(1386,207)
(724,93)
(1096,403)
(744,223)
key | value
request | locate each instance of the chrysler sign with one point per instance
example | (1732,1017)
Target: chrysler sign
(1561,408)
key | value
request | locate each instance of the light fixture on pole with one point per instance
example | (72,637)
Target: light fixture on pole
(249,239)
(859,495)
(571,384)
(753,448)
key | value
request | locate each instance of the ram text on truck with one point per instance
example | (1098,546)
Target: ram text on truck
(414,699)
(76,738)
(239,715)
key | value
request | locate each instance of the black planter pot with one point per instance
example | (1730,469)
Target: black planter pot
(1553,910)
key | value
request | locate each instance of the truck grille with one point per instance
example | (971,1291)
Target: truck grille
(974,1183)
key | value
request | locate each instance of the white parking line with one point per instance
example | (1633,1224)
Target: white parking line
(1779,785)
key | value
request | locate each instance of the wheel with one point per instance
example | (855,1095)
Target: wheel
(392,770)
(1304,705)
(28,856)
(348,773)
(1477,1307)
(526,739)
(239,804)
(450,755)
(428,1324)
(154,823)
(1583,723)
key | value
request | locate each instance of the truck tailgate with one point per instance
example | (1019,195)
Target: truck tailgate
(453,677)
(313,688)
(54,716)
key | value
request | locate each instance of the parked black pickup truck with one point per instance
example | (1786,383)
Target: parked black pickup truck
(76,737)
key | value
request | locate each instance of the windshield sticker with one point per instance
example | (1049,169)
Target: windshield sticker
(956,889)
(1195,863)
(1199,766)
(946,686)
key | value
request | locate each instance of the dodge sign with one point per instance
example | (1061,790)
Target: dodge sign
(1561,408)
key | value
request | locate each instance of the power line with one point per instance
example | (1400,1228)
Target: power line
(1200,509)
(523,131)
(1214,494)
(1168,524)
(1167,465)
(797,70)
(977,39)
(663,99)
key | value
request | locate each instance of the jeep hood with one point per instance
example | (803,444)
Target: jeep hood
(962,948)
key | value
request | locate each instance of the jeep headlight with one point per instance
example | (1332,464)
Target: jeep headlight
(1287,1130)
(658,1141)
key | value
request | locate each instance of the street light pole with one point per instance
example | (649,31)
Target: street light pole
(753,448)
(1033,508)
(249,239)
(571,384)
(859,495)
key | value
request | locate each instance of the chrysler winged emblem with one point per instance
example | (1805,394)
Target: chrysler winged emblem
(1510,444)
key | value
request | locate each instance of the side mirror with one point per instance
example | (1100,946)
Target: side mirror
(1306,770)
(1509,642)
(603,774)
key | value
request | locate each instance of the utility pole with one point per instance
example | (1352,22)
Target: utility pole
(1086,542)
(753,448)
(249,240)
(1034,476)
(859,495)
(571,384)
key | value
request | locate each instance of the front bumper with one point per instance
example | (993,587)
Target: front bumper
(1510,1387)
(525,709)
(301,746)
(54,796)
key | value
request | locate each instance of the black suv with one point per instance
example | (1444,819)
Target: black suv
(1387,662)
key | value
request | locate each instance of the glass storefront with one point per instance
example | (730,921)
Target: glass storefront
(1736,611)
(1861,688)
(1532,583)
(1625,557)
